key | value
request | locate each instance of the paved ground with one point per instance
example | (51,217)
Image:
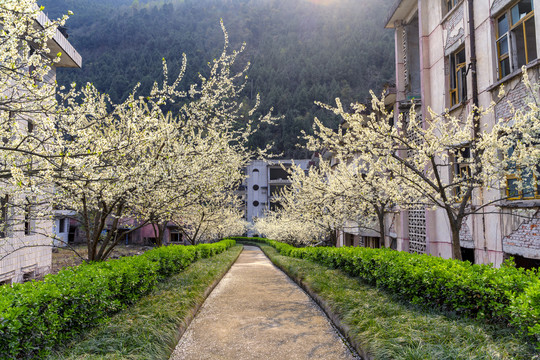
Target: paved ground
(257,312)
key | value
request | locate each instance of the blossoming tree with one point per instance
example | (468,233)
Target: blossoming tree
(113,163)
(440,162)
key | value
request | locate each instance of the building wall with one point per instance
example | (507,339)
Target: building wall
(498,232)
(23,257)
(61,233)
(259,185)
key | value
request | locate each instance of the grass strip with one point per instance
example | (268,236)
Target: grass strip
(151,328)
(381,326)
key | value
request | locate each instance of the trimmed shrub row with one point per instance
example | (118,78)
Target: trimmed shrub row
(508,294)
(37,315)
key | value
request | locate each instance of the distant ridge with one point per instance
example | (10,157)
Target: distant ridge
(300,52)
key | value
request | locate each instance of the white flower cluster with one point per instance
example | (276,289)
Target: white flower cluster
(381,163)
(120,166)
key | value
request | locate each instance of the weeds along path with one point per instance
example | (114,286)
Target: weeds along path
(257,312)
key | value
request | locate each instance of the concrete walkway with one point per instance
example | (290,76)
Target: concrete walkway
(257,312)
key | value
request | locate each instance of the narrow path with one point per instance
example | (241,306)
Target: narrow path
(257,312)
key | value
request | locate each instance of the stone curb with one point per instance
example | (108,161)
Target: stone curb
(344,330)
(195,310)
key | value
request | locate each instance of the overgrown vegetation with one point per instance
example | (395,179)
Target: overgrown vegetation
(39,315)
(302,51)
(509,295)
(151,328)
(383,326)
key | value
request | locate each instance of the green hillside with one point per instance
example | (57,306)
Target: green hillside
(300,51)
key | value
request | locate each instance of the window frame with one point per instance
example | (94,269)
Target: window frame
(457,71)
(451,4)
(461,167)
(535,185)
(61,225)
(510,38)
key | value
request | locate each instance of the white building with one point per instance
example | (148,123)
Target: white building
(264,180)
(450,56)
(25,251)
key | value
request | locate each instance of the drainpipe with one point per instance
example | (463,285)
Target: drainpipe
(474,78)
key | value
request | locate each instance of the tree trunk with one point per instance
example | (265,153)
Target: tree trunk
(456,248)
(382,231)
(455,227)
(333,237)
(379,210)
(160,233)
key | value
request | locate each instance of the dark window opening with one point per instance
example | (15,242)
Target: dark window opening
(279,174)
(29,276)
(467,254)
(348,239)
(526,263)
(275,190)
(274,206)
(150,240)
(71,234)
(393,243)
(372,242)
(255,203)
(62,225)
(255,187)
(28,220)
(3,216)
(176,237)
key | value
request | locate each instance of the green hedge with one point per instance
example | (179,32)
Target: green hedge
(509,294)
(37,315)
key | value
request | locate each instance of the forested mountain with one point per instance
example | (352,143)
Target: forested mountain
(301,51)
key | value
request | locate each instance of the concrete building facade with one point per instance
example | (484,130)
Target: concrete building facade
(437,43)
(25,250)
(264,181)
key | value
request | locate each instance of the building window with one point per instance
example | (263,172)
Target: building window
(29,276)
(279,174)
(61,225)
(176,237)
(450,4)
(255,203)
(462,169)
(458,78)
(4,216)
(255,187)
(29,224)
(522,184)
(516,38)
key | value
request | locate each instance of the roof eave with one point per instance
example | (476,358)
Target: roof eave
(399,11)
(59,44)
